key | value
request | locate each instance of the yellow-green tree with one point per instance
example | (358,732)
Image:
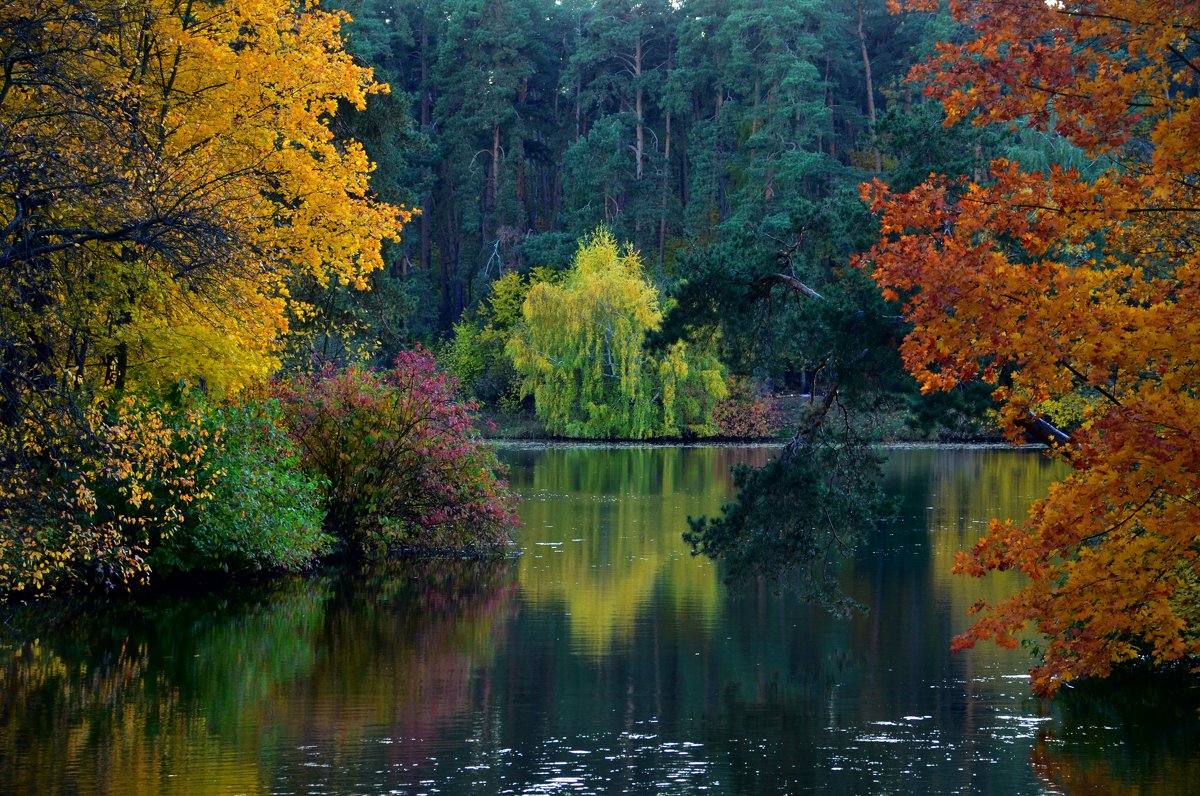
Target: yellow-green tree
(166,169)
(581,353)
(476,356)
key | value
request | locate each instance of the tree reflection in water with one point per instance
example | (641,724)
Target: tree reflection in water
(177,695)
(803,513)
(1135,733)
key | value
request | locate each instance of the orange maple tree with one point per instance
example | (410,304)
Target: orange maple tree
(1062,291)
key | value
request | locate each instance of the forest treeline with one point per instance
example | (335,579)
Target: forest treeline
(723,140)
(519,126)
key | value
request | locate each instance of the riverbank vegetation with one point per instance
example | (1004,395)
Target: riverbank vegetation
(169,174)
(843,222)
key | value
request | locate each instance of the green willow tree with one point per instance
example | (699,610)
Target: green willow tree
(581,353)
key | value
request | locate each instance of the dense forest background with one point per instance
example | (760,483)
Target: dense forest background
(724,139)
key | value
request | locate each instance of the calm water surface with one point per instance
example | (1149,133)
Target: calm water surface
(604,660)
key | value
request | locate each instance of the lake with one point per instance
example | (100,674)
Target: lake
(605,659)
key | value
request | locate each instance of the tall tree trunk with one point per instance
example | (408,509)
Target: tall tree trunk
(717,161)
(426,117)
(755,117)
(447,248)
(665,196)
(639,152)
(488,214)
(494,174)
(578,109)
(664,201)
(862,45)
(427,234)
(829,105)
(522,190)
(685,185)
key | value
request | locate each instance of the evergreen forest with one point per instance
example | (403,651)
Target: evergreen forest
(724,142)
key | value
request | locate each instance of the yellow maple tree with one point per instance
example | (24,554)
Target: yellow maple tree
(1072,292)
(168,168)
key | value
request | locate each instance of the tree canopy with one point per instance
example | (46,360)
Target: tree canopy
(166,171)
(1076,291)
(581,353)
(676,125)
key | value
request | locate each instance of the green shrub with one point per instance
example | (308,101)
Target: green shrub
(263,511)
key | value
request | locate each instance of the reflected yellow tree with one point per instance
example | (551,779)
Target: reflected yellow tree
(967,489)
(603,540)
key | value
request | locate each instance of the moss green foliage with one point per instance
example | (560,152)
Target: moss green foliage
(476,354)
(262,512)
(581,354)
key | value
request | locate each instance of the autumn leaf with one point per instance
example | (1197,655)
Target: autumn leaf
(1078,297)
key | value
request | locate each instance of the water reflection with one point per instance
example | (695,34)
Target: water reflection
(605,660)
(253,691)
(603,541)
(1138,735)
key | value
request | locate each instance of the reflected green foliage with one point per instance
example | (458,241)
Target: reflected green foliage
(964,489)
(180,696)
(803,512)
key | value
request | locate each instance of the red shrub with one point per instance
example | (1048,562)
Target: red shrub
(401,465)
(747,413)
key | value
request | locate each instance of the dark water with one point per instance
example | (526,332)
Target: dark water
(604,660)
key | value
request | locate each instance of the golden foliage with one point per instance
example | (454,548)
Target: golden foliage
(168,168)
(108,496)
